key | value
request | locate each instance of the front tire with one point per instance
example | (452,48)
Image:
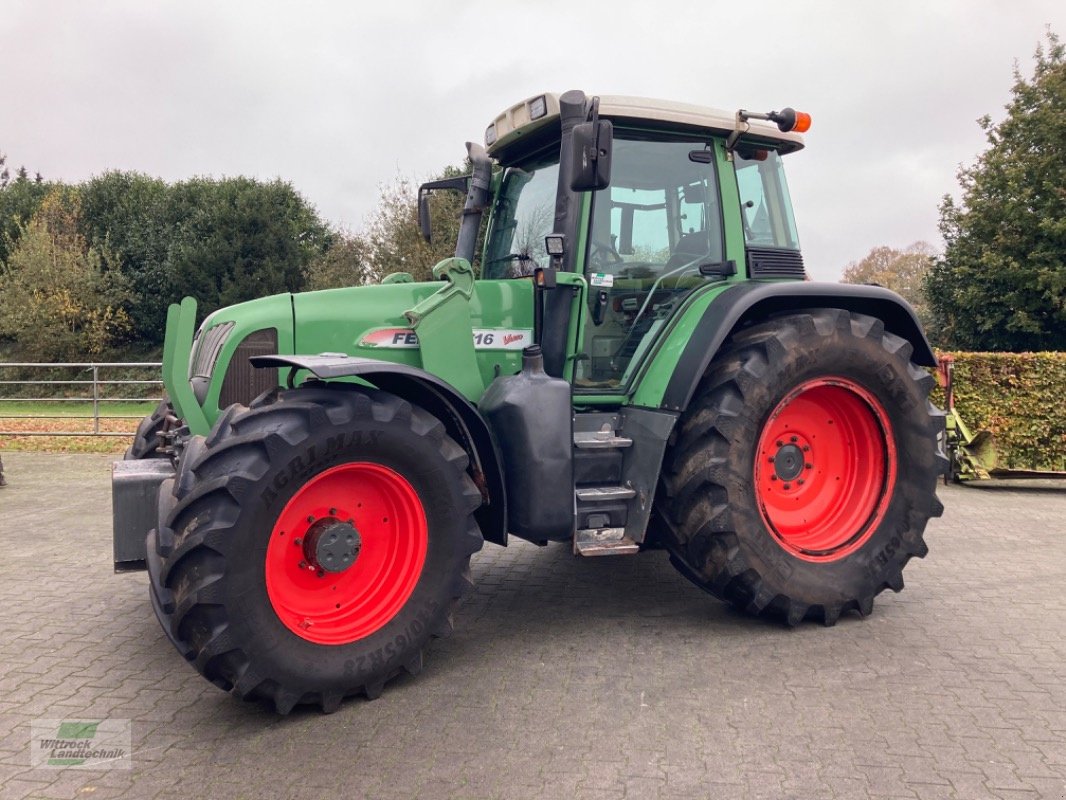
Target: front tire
(800,480)
(150,431)
(313,544)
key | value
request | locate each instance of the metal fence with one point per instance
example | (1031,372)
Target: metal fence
(95,386)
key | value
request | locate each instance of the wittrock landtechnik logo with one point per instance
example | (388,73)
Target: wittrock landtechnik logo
(85,744)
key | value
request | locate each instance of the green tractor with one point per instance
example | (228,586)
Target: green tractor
(641,363)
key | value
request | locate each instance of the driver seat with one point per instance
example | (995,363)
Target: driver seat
(689,246)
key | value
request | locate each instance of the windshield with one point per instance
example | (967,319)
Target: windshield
(765,206)
(523,216)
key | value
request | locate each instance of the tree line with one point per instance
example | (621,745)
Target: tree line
(88,269)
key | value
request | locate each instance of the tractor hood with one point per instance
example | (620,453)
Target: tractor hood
(359,320)
(211,371)
(370,322)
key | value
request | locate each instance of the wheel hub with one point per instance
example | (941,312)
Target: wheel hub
(788,463)
(332,545)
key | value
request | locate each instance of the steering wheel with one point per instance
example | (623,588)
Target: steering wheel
(603,252)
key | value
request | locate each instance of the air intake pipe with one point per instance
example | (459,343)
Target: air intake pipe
(478,192)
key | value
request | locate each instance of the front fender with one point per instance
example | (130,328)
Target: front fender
(461,419)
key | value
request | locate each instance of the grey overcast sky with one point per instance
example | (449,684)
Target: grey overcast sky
(340,97)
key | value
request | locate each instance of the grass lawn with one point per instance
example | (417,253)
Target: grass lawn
(72,416)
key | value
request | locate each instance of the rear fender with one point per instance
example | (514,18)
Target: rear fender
(753,302)
(461,419)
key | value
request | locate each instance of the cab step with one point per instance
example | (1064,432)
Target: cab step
(600,440)
(604,542)
(604,494)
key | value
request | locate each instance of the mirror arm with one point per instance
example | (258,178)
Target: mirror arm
(594,118)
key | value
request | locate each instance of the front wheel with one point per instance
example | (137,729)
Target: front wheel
(310,547)
(150,431)
(801,478)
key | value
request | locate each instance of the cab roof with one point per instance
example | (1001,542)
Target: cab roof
(521,121)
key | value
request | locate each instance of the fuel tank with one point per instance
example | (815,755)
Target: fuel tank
(531,416)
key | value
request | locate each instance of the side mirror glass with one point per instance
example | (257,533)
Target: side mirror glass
(424,224)
(460,184)
(590,167)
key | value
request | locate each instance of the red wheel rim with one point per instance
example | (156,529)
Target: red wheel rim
(338,607)
(825,468)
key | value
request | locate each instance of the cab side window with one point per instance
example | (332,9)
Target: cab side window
(765,207)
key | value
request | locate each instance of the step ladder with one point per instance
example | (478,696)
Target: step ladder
(600,496)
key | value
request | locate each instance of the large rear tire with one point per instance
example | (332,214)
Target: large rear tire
(312,544)
(800,480)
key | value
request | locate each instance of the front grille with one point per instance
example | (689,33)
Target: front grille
(243,382)
(207,347)
(771,262)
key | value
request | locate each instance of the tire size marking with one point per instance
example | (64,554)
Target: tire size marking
(884,555)
(400,644)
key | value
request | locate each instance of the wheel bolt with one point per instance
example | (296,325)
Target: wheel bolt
(793,439)
(310,518)
(800,481)
(808,465)
(303,565)
(787,486)
(771,459)
(806,448)
(780,443)
(333,512)
(297,541)
(773,477)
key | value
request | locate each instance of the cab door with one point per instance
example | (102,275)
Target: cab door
(655,235)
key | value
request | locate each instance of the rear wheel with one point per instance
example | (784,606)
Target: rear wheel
(310,547)
(801,478)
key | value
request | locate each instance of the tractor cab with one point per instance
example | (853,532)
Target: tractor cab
(654,200)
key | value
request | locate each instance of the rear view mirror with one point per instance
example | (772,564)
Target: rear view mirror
(424,224)
(590,168)
(454,184)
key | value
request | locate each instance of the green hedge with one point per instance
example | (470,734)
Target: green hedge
(1019,398)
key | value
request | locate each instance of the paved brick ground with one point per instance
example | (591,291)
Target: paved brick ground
(567,678)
